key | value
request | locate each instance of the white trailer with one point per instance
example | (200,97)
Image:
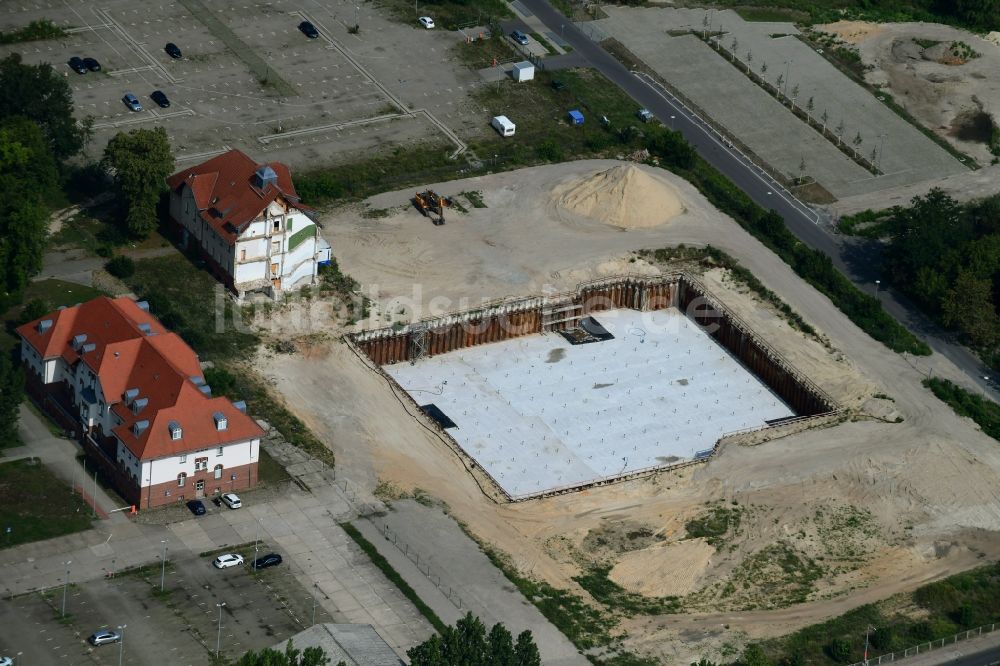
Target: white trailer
(503,125)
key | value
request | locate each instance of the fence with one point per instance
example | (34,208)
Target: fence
(930,645)
(424,565)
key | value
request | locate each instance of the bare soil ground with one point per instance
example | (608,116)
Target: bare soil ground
(827,519)
(948,88)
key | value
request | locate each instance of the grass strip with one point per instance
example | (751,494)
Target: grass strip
(985,413)
(393,575)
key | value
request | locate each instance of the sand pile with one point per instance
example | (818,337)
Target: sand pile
(623,196)
(663,570)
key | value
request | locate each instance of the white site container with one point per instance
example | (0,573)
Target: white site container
(523,71)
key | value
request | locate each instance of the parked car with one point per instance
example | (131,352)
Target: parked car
(309,30)
(197,507)
(160,99)
(6,661)
(76,64)
(265,561)
(232,500)
(132,102)
(104,636)
(426,21)
(228,560)
(172,50)
(92,64)
(520,37)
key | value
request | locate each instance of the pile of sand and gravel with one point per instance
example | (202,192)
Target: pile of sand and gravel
(624,196)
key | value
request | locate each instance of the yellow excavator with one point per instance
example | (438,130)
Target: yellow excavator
(430,203)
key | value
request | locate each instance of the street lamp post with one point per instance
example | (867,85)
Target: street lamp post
(121,643)
(672,122)
(218,637)
(877,283)
(65,585)
(256,539)
(316,585)
(163,564)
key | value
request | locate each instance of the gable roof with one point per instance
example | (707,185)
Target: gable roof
(228,193)
(127,348)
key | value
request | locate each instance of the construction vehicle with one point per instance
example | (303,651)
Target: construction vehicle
(430,203)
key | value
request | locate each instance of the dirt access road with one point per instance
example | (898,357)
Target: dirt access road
(924,491)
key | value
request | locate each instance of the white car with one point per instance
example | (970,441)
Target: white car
(232,500)
(228,560)
(6,661)
(426,21)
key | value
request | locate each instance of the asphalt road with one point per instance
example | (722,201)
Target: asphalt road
(985,658)
(853,258)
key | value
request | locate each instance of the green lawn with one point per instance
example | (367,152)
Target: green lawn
(184,296)
(35,505)
(269,470)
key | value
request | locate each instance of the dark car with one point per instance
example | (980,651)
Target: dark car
(265,561)
(160,99)
(92,64)
(172,50)
(520,37)
(197,508)
(309,30)
(77,65)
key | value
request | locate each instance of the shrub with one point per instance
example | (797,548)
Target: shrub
(121,267)
(840,650)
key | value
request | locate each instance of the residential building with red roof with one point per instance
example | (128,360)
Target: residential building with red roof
(134,394)
(248,221)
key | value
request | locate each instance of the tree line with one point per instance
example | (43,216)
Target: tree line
(945,256)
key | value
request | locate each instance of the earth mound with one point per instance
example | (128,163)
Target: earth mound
(624,196)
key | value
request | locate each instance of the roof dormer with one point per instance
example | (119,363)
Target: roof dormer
(221,423)
(176,432)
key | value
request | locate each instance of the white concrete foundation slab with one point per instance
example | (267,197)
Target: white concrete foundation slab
(539,413)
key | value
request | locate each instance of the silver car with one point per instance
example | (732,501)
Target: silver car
(104,636)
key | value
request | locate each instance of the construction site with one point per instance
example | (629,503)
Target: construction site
(824,445)
(619,379)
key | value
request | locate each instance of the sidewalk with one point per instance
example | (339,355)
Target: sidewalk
(59,455)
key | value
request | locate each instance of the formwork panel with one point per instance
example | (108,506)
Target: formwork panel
(538,413)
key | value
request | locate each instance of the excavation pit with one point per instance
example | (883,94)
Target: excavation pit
(541,413)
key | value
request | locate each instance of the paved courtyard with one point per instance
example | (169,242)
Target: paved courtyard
(758,120)
(539,413)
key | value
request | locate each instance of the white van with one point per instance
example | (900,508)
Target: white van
(503,125)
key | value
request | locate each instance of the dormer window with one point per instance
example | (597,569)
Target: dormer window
(78,341)
(175,430)
(139,427)
(139,404)
(130,395)
(44,325)
(220,421)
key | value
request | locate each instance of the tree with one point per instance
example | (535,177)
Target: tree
(763,68)
(968,306)
(781,79)
(139,162)
(468,644)
(525,651)
(840,131)
(121,267)
(38,93)
(795,94)
(857,139)
(11,394)
(825,118)
(30,172)
(810,105)
(749,59)
(311,656)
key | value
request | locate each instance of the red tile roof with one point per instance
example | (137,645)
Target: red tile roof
(226,192)
(132,350)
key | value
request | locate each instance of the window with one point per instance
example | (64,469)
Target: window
(218,471)
(200,464)
(218,452)
(277,224)
(183,458)
(288,225)
(243,255)
(276,247)
(181,479)
(199,485)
